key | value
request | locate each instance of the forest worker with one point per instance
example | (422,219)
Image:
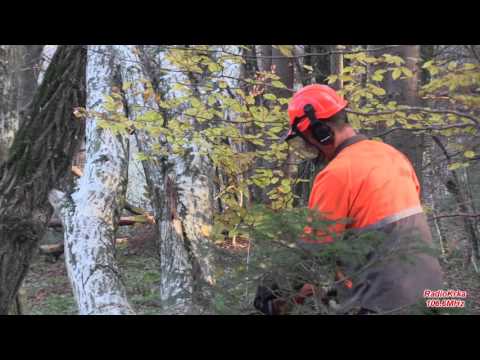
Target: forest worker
(375,187)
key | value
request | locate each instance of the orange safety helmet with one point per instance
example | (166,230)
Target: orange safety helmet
(324,100)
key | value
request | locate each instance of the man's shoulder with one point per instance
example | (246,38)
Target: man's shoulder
(365,148)
(336,170)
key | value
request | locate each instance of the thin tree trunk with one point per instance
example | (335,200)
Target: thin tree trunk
(405,92)
(39,160)
(18,82)
(8,97)
(265,60)
(28,75)
(456,188)
(181,188)
(336,66)
(471,206)
(91,214)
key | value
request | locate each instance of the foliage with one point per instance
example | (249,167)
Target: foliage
(235,121)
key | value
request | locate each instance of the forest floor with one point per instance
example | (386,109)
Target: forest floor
(46,289)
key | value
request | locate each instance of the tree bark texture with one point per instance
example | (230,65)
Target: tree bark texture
(405,92)
(39,160)
(18,82)
(182,197)
(91,214)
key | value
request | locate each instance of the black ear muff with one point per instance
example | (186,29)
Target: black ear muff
(320,131)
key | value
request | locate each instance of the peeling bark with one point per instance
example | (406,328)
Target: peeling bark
(181,193)
(91,214)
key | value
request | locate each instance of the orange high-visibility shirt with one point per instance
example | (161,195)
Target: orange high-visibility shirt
(369,182)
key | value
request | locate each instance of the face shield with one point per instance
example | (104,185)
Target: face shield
(303,148)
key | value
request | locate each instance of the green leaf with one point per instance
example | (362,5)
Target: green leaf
(332,78)
(390,122)
(427,64)
(195,102)
(469,154)
(286,50)
(469,66)
(278,84)
(377,90)
(408,73)
(452,65)
(269,97)
(141,156)
(396,73)
(455,166)
(214,67)
(378,75)
(308,67)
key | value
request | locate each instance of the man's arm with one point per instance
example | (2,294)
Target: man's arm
(330,197)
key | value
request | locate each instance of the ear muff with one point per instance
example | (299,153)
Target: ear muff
(320,131)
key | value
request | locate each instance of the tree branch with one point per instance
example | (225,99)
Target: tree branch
(417,109)
(431,128)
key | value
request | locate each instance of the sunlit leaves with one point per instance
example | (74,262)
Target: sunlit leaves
(286,50)
(469,154)
(396,73)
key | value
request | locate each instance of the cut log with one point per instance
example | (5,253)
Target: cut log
(54,250)
(77,171)
(121,241)
(139,211)
(51,249)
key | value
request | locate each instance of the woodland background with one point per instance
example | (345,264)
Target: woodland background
(141,179)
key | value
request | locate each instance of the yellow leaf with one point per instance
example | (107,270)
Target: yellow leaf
(285,49)
(278,84)
(396,74)
(469,66)
(452,65)
(469,154)
(332,78)
(206,230)
(407,72)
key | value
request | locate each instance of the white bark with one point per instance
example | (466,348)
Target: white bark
(137,185)
(182,200)
(47,55)
(90,215)
(9,60)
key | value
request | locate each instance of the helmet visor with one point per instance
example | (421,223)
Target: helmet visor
(302,148)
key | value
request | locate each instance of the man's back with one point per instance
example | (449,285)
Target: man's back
(375,186)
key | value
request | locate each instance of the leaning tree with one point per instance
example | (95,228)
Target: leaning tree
(38,161)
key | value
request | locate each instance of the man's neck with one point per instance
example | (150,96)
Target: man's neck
(345,134)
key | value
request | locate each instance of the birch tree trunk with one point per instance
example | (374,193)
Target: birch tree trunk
(39,160)
(182,198)
(91,214)
(8,97)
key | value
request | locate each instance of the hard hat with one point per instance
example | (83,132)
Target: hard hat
(324,100)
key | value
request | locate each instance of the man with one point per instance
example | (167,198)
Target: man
(375,187)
